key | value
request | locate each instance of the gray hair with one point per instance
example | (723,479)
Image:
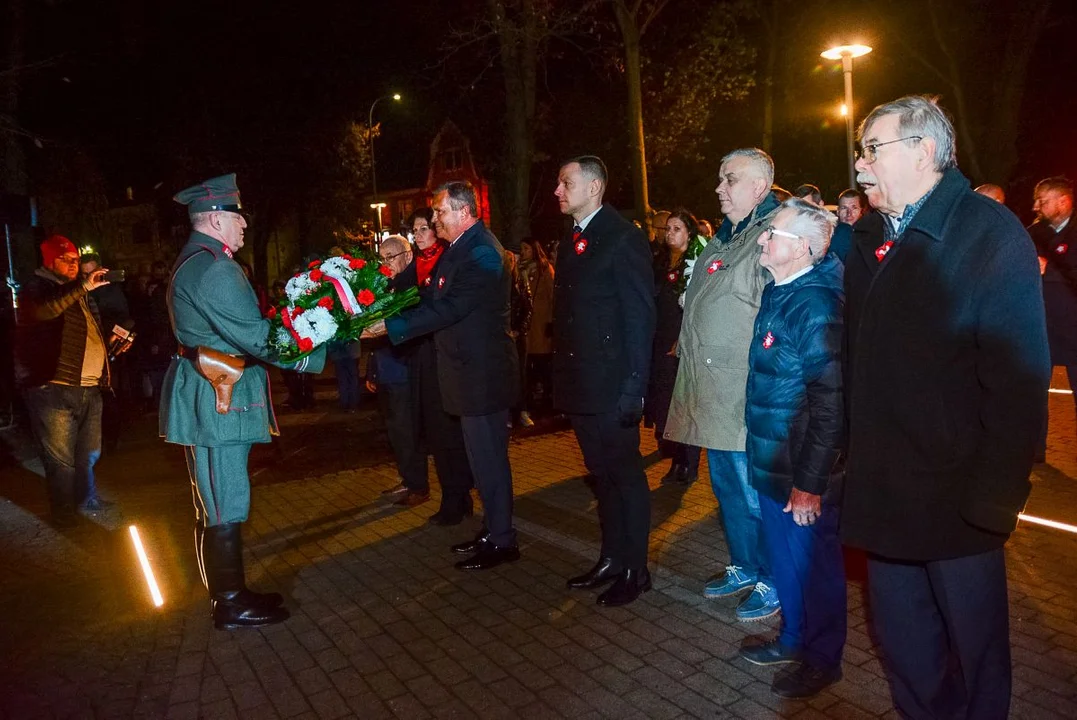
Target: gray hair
(200,219)
(397,241)
(461,195)
(813,223)
(920,115)
(760,160)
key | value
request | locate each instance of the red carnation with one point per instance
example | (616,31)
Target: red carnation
(385,271)
(365,297)
(297,312)
(326,302)
(313,264)
(357,263)
(306,344)
(271,313)
(316,275)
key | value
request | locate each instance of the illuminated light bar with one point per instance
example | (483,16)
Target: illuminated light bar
(151,582)
(1048,523)
(1059,391)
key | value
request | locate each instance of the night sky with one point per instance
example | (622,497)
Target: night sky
(171,93)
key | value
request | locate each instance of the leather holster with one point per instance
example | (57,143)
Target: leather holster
(222,371)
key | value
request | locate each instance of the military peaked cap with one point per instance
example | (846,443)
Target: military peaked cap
(219,193)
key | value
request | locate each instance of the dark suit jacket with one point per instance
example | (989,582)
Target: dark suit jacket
(468,314)
(603,315)
(1059,287)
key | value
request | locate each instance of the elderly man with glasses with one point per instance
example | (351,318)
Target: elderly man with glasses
(795,434)
(945,389)
(61,364)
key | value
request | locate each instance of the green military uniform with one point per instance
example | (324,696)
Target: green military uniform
(212,305)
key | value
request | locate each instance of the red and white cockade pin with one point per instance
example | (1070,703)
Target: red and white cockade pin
(581,245)
(714,266)
(441,282)
(1061,249)
(880,252)
(768,340)
(672,277)
(428,280)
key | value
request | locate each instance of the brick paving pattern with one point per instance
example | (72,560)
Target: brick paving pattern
(383,626)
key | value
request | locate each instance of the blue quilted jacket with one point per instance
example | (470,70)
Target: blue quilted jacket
(794,410)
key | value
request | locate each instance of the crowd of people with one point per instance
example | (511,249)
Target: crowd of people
(876,380)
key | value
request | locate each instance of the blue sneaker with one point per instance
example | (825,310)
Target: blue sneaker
(733,582)
(762,603)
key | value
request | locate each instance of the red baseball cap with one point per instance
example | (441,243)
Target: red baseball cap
(56,246)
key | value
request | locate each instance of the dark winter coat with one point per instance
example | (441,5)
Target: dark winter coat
(946,378)
(794,406)
(603,316)
(468,314)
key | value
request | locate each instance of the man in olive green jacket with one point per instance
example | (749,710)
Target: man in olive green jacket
(707,409)
(215,314)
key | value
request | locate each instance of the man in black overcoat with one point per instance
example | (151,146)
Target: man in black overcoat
(603,327)
(947,371)
(1055,236)
(468,314)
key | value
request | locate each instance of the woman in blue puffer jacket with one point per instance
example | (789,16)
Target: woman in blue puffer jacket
(795,434)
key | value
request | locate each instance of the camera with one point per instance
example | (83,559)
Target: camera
(115,276)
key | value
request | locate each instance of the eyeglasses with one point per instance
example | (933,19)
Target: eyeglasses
(69,259)
(771,230)
(870,153)
(388,258)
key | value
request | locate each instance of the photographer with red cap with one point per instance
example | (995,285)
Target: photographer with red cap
(61,364)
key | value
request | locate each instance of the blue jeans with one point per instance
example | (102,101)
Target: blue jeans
(738,503)
(809,575)
(66,421)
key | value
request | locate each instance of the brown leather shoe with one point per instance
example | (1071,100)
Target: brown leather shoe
(412,498)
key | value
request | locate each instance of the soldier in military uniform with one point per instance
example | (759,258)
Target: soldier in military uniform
(216,401)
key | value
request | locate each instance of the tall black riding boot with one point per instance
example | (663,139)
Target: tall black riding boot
(234,606)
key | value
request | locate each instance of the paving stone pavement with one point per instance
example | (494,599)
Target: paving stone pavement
(383,626)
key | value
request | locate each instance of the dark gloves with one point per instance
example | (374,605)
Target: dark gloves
(630,410)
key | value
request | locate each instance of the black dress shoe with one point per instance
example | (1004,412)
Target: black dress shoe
(804,681)
(686,476)
(629,585)
(231,616)
(671,476)
(472,546)
(490,556)
(605,570)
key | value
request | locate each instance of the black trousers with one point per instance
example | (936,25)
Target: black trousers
(486,438)
(945,634)
(611,454)
(394,399)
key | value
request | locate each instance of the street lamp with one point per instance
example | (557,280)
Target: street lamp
(370,134)
(377,208)
(846,53)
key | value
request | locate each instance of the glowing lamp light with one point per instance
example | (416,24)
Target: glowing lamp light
(1060,391)
(844,109)
(396,96)
(837,53)
(1048,523)
(147,571)
(86,250)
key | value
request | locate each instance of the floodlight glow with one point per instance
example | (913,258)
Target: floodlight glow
(844,109)
(396,96)
(837,53)
(147,571)
(1048,523)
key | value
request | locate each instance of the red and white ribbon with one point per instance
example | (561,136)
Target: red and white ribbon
(347,297)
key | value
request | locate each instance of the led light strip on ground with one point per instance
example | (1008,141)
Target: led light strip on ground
(151,582)
(1059,391)
(1048,523)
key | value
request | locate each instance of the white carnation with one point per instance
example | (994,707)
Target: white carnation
(299,286)
(338,267)
(316,324)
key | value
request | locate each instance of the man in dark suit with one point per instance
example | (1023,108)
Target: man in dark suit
(947,370)
(468,314)
(1055,236)
(603,323)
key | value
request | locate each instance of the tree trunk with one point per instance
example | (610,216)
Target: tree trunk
(13,177)
(630,34)
(518,38)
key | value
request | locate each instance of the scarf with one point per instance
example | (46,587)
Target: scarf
(425,260)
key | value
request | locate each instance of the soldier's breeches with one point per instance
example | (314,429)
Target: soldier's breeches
(219,481)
